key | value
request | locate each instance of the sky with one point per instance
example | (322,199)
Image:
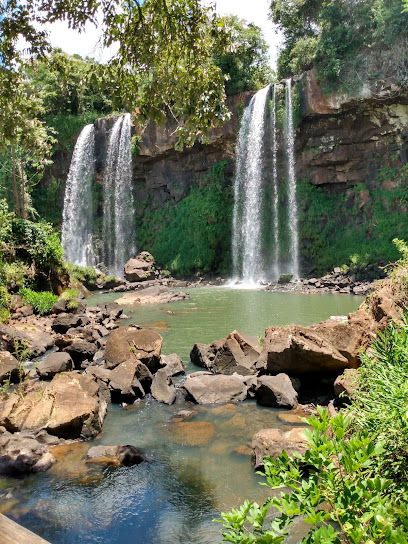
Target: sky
(88,43)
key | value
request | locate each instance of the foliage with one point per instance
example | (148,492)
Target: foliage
(380,404)
(349,42)
(42,302)
(164,63)
(194,234)
(135,146)
(14,275)
(70,294)
(69,84)
(86,275)
(5,301)
(336,230)
(343,499)
(247,63)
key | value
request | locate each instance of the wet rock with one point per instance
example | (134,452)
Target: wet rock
(207,388)
(162,388)
(157,294)
(130,343)
(285,278)
(9,368)
(68,407)
(185,414)
(53,364)
(117,455)
(272,442)
(345,385)
(140,268)
(192,433)
(276,391)
(173,364)
(21,453)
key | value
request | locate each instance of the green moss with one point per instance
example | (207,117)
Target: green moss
(336,231)
(194,235)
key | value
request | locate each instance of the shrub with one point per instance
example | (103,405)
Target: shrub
(42,302)
(82,274)
(342,500)
(5,300)
(14,275)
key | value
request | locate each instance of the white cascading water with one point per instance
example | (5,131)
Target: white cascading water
(77,217)
(248,182)
(292,196)
(275,190)
(118,220)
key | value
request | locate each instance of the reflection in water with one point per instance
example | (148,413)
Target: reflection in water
(196,472)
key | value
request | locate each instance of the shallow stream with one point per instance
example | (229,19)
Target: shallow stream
(199,469)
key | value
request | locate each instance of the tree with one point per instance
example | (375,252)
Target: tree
(164,65)
(247,63)
(25,142)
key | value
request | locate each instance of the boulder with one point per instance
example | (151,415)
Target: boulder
(116,455)
(68,407)
(22,453)
(237,353)
(202,355)
(140,268)
(9,367)
(173,365)
(80,351)
(162,388)
(272,442)
(276,391)
(345,385)
(302,350)
(53,364)
(207,388)
(156,294)
(130,343)
(36,342)
(63,322)
(285,278)
(124,383)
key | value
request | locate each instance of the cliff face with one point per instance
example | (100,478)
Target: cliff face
(343,141)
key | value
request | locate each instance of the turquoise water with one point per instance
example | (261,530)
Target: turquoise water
(198,470)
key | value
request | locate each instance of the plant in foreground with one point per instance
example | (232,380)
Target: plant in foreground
(42,302)
(341,499)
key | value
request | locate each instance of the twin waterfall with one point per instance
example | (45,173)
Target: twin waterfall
(115,244)
(265,237)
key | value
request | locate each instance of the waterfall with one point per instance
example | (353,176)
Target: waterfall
(275,189)
(118,210)
(77,218)
(248,183)
(259,236)
(292,197)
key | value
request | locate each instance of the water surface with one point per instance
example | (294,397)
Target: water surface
(198,470)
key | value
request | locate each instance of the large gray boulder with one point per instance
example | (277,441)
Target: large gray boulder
(63,322)
(140,268)
(9,368)
(163,389)
(207,388)
(276,391)
(131,343)
(53,364)
(36,341)
(124,383)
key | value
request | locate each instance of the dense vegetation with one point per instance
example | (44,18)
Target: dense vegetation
(355,228)
(350,43)
(351,486)
(193,235)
